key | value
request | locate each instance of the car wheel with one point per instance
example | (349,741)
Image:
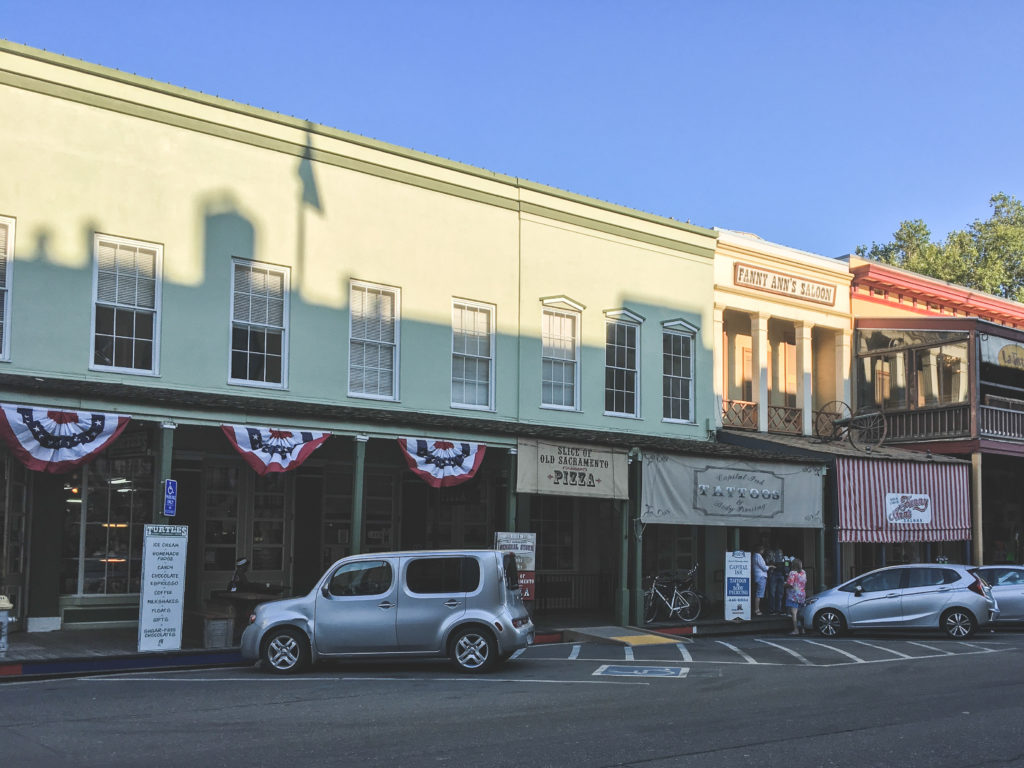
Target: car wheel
(474,650)
(285,650)
(958,623)
(829,622)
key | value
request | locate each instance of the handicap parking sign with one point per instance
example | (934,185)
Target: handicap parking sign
(170,497)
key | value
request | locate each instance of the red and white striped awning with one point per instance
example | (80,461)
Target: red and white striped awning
(883,501)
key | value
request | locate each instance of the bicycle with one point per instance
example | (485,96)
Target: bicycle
(672,594)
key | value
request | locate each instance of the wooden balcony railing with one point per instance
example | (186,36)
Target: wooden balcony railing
(784,419)
(739,414)
(1001,422)
(928,424)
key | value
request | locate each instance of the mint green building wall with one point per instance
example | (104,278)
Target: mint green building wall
(96,151)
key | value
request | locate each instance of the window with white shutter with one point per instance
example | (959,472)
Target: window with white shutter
(6,257)
(373,341)
(259,324)
(126,322)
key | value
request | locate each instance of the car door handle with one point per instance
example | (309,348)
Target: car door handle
(385,604)
(453,603)
(893,594)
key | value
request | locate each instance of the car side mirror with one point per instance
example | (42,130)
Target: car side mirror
(325,590)
(858,591)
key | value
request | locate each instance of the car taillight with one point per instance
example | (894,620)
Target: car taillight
(517,623)
(977,586)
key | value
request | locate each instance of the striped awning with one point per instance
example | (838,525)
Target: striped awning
(882,501)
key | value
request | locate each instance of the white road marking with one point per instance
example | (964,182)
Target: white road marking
(931,648)
(683,652)
(883,648)
(730,646)
(337,679)
(785,648)
(837,650)
(575,652)
(517,654)
(628,649)
(619,670)
(975,645)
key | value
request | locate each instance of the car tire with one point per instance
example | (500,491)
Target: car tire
(958,623)
(285,650)
(473,650)
(829,623)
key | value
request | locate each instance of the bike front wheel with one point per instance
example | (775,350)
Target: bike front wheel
(689,605)
(650,607)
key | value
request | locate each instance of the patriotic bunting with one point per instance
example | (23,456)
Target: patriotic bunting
(442,463)
(55,441)
(274,450)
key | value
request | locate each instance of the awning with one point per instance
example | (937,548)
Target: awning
(887,502)
(693,490)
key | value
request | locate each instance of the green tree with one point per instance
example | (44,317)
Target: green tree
(987,256)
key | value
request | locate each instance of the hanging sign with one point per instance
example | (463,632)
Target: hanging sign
(570,469)
(442,463)
(524,546)
(737,586)
(908,508)
(268,449)
(164,551)
(53,440)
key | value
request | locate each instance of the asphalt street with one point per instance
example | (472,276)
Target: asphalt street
(865,700)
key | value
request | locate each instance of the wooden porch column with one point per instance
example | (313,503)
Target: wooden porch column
(804,377)
(165,456)
(977,545)
(720,351)
(844,340)
(510,492)
(358,470)
(759,367)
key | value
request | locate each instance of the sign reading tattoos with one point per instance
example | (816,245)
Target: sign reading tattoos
(570,469)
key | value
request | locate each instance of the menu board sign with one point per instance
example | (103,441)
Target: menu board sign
(524,547)
(737,586)
(161,603)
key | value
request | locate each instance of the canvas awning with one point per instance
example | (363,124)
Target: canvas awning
(887,502)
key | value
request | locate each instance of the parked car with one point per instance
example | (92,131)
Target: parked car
(919,596)
(463,604)
(1007,583)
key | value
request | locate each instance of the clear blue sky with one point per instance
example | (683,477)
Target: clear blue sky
(820,125)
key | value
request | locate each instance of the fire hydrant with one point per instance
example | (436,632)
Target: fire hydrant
(5,607)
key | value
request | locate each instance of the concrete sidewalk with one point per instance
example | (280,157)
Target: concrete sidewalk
(101,651)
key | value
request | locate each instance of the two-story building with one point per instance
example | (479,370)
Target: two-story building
(944,365)
(783,353)
(200,290)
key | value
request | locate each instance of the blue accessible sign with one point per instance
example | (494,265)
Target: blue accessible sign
(170,497)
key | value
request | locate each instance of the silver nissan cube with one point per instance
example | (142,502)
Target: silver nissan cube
(463,604)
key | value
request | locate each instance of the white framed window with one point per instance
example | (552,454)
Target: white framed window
(472,355)
(126,320)
(677,342)
(373,341)
(6,263)
(622,363)
(560,354)
(259,324)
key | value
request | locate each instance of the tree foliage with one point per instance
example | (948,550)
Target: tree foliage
(987,256)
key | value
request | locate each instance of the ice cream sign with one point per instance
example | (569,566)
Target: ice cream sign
(786,285)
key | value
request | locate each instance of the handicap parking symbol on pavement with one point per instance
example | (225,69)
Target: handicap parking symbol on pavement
(622,670)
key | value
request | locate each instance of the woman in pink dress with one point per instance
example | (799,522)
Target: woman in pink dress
(796,593)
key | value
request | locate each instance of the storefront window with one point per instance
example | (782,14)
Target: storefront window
(941,374)
(878,340)
(882,383)
(106,505)
(268,523)
(220,533)
(940,377)
(553,520)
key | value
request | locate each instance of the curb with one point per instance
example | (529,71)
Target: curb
(43,669)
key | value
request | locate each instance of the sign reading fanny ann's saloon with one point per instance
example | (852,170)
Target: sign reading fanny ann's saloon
(568,469)
(785,285)
(699,491)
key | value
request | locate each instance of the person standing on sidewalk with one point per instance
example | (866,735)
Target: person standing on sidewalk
(760,574)
(776,581)
(796,593)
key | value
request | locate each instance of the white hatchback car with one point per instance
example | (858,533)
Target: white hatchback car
(464,604)
(918,596)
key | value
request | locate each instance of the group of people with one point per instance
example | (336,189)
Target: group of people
(783,579)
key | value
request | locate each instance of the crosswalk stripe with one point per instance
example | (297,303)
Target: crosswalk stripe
(575,652)
(785,648)
(730,646)
(629,652)
(683,652)
(931,648)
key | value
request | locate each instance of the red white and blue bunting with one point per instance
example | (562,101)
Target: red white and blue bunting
(267,449)
(442,463)
(54,440)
